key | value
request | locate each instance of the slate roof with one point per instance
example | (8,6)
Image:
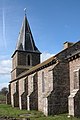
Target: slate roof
(48,62)
(25,39)
(38,67)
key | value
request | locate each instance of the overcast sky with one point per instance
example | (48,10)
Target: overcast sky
(52,23)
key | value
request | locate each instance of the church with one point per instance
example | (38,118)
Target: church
(52,86)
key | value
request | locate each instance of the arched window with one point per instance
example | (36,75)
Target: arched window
(43,83)
(28,58)
(26,85)
(76,78)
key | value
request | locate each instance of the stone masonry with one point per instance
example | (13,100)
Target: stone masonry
(52,86)
(74,98)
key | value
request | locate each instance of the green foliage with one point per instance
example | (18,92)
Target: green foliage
(2,97)
(8,111)
(4,91)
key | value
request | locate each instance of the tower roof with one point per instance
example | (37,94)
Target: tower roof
(25,38)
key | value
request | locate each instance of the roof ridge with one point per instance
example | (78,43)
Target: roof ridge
(25,38)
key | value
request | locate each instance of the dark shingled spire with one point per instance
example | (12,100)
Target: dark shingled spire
(25,39)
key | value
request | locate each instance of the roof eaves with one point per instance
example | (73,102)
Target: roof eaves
(38,67)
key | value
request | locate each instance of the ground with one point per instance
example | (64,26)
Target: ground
(9,113)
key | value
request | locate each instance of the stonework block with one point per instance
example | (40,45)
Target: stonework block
(13,90)
(8,96)
(53,88)
(33,92)
(21,91)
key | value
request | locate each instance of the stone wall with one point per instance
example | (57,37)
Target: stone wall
(58,99)
(8,96)
(21,91)
(73,99)
(35,59)
(16,95)
(77,104)
(34,95)
(22,58)
(14,65)
(24,95)
(30,90)
(14,61)
(48,87)
(13,90)
(20,62)
(74,65)
(13,74)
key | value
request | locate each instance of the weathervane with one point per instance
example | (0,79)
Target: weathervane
(25,11)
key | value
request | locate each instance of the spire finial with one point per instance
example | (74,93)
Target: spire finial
(25,11)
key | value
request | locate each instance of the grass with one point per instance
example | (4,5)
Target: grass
(57,117)
(8,111)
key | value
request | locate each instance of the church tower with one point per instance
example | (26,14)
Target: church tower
(26,54)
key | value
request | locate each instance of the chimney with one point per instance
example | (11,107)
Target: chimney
(67,44)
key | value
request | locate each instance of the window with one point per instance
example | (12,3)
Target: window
(43,84)
(76,79)
(28,57)
(35,85)
(29,60)
(14,87)
(17,86)
(26,85)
